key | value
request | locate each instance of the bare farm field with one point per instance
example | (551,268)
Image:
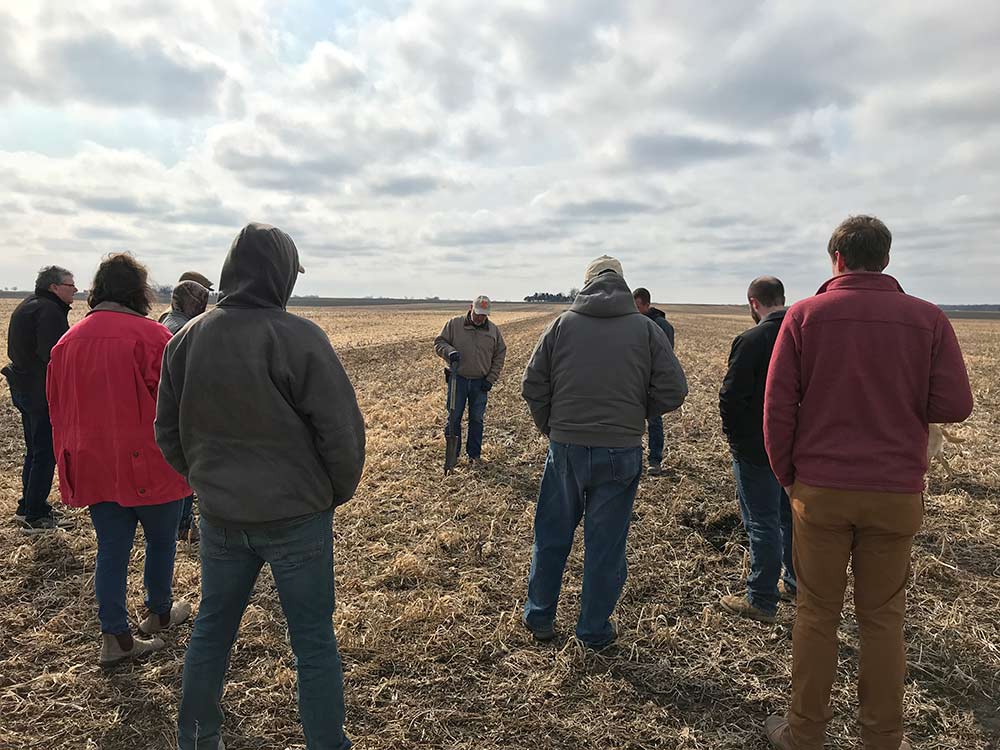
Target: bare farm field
(431,576)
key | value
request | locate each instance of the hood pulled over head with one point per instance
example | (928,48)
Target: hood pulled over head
(189,298)
(260,270)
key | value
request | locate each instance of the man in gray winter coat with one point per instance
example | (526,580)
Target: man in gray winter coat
(599,371)
(256,411)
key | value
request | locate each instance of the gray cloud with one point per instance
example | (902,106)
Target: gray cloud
(604,208)
(672,151)
(409,185)
(98,67)
(497,235)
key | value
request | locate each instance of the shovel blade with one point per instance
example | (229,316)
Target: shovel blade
(450,454)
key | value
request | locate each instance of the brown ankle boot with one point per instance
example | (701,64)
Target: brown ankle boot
(119,648)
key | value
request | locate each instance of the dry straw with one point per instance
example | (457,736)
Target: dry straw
(431,575)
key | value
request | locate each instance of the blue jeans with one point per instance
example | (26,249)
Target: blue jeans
(655,439)
(301,558)
(115,527)
(599,486)
(39,459)
(471,391)
(187,513)
(767,517)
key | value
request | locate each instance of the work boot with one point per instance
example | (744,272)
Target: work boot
(119,648)
(739,605)
(655,470)
(154,623)
(778,733)
(543,635)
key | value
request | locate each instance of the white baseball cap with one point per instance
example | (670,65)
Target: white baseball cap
(482,305)
(601,265)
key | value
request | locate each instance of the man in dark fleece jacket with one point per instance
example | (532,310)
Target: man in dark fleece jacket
(764,505)
(858,372)
(597,373)
(36,325)
(257,412)
(643,302)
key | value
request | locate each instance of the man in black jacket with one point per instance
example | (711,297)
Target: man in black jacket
(643,302)
(35,327)
(763,503)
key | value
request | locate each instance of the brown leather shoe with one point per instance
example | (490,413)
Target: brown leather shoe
(738,605)
(778,733)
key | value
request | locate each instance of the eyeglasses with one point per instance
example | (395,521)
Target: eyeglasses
(73,286)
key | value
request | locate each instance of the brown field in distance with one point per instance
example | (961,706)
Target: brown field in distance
(431,576)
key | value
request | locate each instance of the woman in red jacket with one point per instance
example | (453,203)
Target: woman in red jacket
(102,384)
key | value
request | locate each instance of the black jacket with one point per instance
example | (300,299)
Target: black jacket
(660,318)
(741,400)
(254,407)
(36,325)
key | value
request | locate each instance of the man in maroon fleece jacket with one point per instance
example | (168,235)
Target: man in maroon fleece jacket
(858,372)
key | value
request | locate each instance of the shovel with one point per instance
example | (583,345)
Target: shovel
(451,441)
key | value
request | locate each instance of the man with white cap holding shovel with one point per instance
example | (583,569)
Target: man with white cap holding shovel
(475,351)
(597,374)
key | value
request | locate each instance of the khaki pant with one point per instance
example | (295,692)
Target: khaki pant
(873,531)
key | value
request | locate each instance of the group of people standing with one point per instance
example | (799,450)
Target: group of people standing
(825,405)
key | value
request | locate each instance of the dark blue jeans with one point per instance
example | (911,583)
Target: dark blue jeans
(472,392)
(767,517)
(301,558)
(187,513)
(597,485)
(39,460)
(115,527)
(655,439)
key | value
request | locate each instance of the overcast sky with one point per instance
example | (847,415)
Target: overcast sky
(458,147)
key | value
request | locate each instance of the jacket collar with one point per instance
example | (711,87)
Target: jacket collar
(46,294)
(873,281)
(776,317)
(115,307)
(469,323)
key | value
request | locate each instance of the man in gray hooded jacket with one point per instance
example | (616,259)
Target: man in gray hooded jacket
(597,373)
(256,411)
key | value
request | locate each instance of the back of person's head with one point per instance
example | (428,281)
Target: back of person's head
(121,278)
(51,275)
(261,268)
(602,265)
(863,242)
(768,291)
(189,298)
(642,294)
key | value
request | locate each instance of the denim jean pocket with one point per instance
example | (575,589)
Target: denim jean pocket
(626,463)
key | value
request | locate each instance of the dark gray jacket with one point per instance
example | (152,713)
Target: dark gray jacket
(255,409)
(601,369)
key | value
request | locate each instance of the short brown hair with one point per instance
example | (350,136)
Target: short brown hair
(863,242)
(642,294)
(121,278)
(767,290)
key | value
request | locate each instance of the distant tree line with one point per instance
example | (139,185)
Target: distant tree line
(550,297)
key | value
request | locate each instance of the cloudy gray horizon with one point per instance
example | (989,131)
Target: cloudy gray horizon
(453,147)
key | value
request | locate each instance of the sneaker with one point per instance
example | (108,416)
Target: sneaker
(738,605)
(543,635)
(44,525)
(112,651)
(655,470)
(20,516)
(787,594)
(153,623)
(778,733)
